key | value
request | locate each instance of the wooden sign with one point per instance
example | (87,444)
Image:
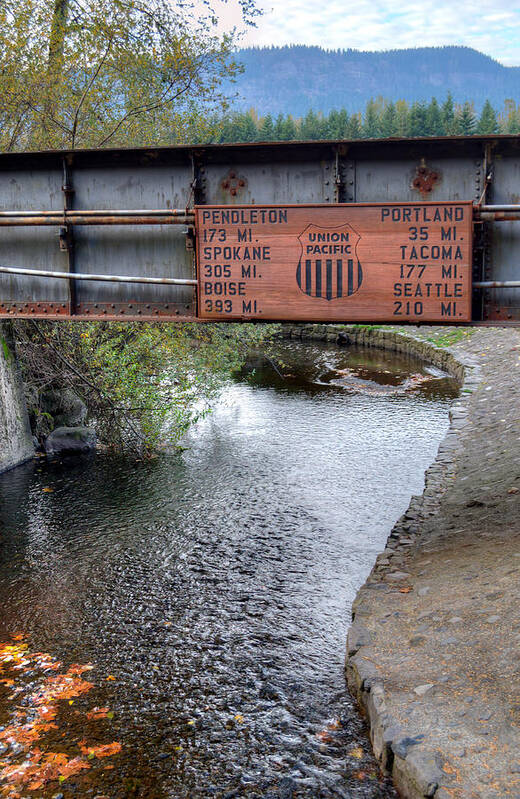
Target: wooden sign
(398,262)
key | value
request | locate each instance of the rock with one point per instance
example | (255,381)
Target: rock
(423,689)
(66,408)
(402,745)
(396,577)
(70,441)
(424,591)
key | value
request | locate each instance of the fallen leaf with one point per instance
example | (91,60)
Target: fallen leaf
(239,718)
(78,670)
(47,490)
(405,590)
(99,713)
(357,752)
(111,677)
(106,750)
(324,736)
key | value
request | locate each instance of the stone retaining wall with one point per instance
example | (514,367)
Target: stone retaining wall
(16,445)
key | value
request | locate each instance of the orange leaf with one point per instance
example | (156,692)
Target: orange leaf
(98,713)
(77,669)
(101,751)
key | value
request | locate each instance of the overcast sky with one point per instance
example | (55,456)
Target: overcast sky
(491,26)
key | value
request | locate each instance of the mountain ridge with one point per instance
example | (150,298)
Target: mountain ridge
(296,78)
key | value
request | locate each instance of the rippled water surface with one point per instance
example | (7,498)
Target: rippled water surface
(211,590)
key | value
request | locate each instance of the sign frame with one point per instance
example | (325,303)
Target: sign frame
(380,280)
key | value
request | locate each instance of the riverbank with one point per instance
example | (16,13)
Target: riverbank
(433,649)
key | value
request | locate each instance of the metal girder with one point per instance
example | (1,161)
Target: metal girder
(137,218)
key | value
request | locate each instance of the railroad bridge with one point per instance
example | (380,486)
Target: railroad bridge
(394,230)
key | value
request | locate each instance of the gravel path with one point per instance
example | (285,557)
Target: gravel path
(434,649)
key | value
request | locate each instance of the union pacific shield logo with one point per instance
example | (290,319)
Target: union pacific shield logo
(329,267)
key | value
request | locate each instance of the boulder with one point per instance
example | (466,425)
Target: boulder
(70,441)
(66,408)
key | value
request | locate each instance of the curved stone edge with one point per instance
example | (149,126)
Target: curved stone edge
(415,770)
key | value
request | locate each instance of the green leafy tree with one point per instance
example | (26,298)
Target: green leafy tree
(109,72)
(144,384)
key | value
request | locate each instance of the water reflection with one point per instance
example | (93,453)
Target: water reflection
(211,591)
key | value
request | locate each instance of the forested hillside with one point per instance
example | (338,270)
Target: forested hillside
(296,78)
(380,119)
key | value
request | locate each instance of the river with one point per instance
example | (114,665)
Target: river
(182,621)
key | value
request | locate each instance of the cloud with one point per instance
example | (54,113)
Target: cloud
(378,25)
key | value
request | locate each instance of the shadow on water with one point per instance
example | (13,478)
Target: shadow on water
(211,591)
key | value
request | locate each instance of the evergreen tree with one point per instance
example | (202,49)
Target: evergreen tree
(417,120)
(354,129)
(289,129)
(465,120)
(389,121)
(248,126)
(448,116)
(279,128)
(371,125)
(510,122)
(402,113)
(434,121)
(342,124)
(332,126)
(488,122)
(266,128)
(310,126)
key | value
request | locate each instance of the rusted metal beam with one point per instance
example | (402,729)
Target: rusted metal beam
(163,281)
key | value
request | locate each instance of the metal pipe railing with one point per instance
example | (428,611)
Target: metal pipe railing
(510,207)
(499,216)
(162,216)
(163,281)
(496,284)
